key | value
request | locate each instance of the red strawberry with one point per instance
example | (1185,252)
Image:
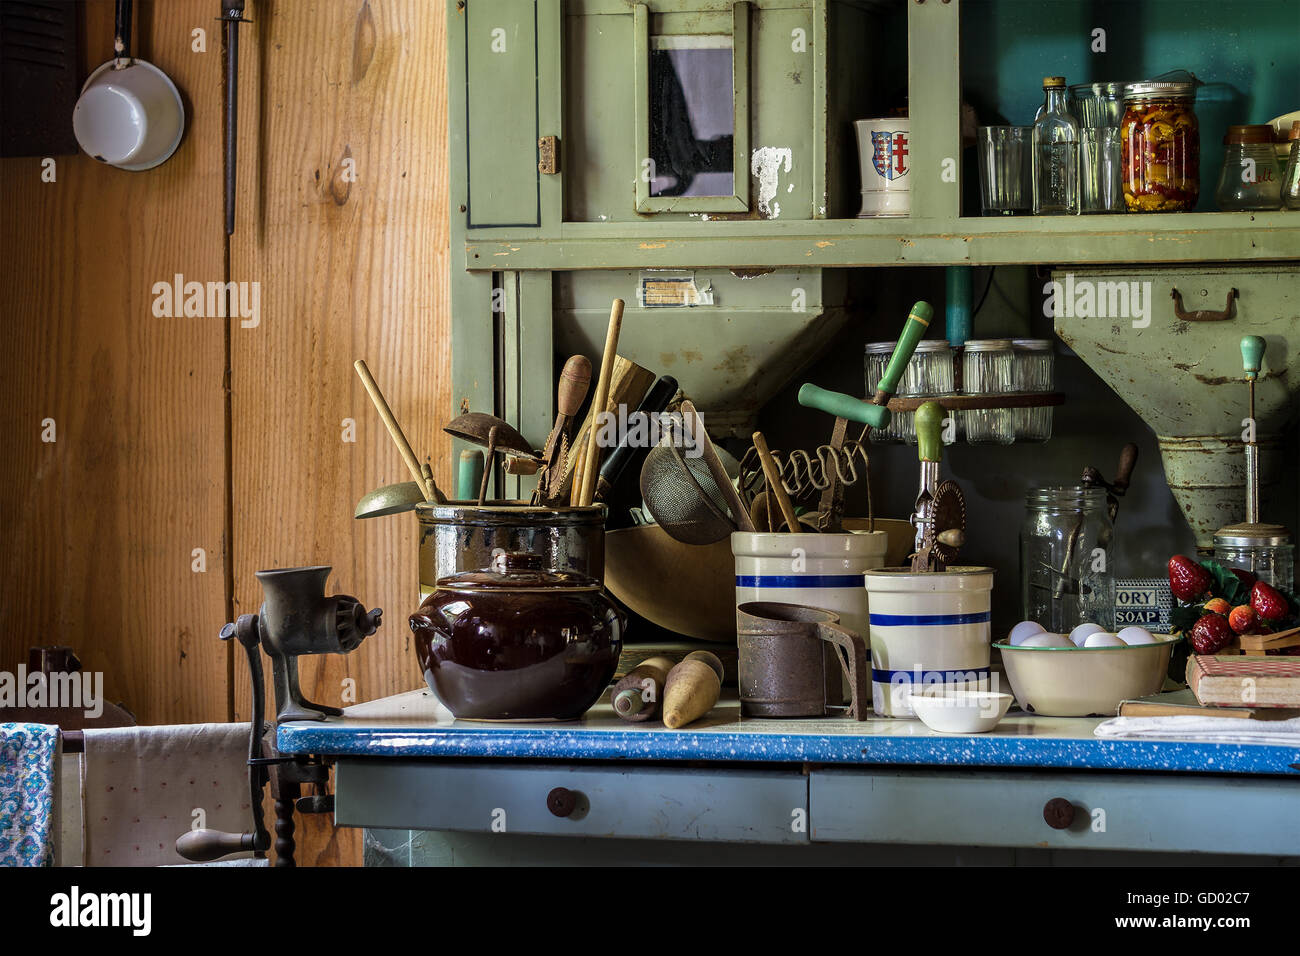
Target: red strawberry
(1217,606)
(1187,580)
(1211,634)
(1242,618)
(1267,602)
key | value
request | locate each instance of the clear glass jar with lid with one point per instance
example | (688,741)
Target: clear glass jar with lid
(1265,550)
(1034,373)
(1160,145)
(988,368)
(929,374)
(1066,578)
(877,358)
(1291,177)
(1250,179)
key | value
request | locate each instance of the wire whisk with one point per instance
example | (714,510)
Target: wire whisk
(802,473)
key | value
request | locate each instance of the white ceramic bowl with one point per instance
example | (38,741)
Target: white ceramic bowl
(960,711)
(1085,681)
(131,118)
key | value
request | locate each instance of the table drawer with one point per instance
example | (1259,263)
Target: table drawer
(1110,811)
(748,806)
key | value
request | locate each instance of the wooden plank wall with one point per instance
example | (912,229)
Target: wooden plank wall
(99,525)
(343,224)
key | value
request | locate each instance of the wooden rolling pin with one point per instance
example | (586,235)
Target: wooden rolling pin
(638,695)
(692,689)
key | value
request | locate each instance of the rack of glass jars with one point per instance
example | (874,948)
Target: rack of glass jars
(999,391)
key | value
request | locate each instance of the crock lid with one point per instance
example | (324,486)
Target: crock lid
(1245,535)
(1157,89)
(515,570)
(1253,133)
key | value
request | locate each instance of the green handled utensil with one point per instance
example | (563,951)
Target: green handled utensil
(940,512)
(1252,360)
(873,414)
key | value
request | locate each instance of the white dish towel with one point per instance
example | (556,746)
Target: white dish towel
(1219,730)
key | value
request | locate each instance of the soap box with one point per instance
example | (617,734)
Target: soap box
(1144,602)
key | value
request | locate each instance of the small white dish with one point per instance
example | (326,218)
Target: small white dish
(131,118)
(960,711)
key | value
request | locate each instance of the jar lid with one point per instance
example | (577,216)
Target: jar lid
(933,345)
(1158,90)
(1053,82)
(1115,89)
(1032,345)
(875,347)
(987,345)
(1253,133)
(517,571)
(1071,495)
(1256,535)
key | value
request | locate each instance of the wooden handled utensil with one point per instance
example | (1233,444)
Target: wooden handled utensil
(695,424)
(575,379)
(431,491)
(774,487)
(592,464)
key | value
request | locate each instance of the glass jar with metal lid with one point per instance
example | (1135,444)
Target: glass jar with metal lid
(1250,179)
(1161,147)
(929,374)
(1265,550)
(1034,373)
(988,368)
(1291,176)
(877,358)
(1066,578)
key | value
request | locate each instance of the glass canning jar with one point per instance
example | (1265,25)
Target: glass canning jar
(1291,177)
(1250,179)
(1160,147)
(1034,372)
(1265,550)
(930,374)
(1065,572)
(877,358)
(988,368)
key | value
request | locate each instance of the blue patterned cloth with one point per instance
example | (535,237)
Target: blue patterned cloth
(27,773)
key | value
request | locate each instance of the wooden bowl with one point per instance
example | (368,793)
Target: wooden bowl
(689,589)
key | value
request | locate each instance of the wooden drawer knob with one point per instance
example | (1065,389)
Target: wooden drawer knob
(562,801)
(1059,813)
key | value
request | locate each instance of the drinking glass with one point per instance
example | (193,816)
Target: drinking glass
(1004,169)
(1101,178)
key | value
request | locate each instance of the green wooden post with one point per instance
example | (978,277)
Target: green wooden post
(934,105)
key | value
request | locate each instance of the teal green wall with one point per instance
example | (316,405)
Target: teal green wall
(1247,54)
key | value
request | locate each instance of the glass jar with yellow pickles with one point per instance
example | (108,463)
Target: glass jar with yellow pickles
(1160,147)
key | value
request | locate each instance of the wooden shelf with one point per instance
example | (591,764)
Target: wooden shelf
(958,403)
(1124,239)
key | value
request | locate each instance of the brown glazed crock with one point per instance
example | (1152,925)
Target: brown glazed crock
(514,642)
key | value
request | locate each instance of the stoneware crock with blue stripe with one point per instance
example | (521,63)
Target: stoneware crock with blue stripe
(927,628)
(814,570)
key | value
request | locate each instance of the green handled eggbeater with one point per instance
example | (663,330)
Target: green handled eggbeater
(940,512)
(872,414)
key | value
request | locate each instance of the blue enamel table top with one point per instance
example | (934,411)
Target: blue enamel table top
(416,725)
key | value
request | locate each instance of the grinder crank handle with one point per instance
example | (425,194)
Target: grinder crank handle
(1128,457)
(203,846)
